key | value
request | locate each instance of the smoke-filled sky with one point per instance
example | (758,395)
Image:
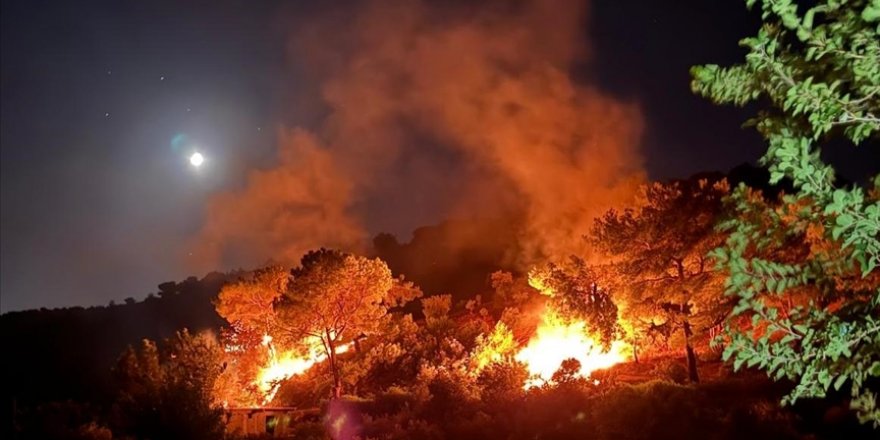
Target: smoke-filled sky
(327,125)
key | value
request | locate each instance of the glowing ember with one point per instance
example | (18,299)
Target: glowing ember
(555,341)
(287,364)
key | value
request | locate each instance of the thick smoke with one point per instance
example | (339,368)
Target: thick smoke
(464,111)
(283,212)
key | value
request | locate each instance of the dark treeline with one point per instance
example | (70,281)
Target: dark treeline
(61,354)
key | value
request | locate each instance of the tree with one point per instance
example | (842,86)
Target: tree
(575,292)
(819,71)
(334,298)
(168,392)
(247,304)
(658,253)
(501,383)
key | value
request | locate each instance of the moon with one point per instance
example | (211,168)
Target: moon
(196,159)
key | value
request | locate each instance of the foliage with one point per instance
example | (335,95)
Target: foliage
(68,352)
(67,420)
(167,392)
(673,371)
(575,292)
(336,297)
(247,304)
(567,372)
(502,382)
(509,291)
(658,262)
(492,348)
(820,71)
(436,310)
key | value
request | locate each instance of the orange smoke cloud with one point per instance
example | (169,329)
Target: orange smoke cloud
(298,205)
(483,90)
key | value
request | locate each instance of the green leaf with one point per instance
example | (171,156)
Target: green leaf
(871,13)
(839,381)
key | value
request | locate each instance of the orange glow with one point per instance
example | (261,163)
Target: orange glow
(284,365)
(495,347)
(557,340)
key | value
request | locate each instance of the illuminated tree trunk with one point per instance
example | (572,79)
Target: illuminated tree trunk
(334,367)
(686,325)
(691,355)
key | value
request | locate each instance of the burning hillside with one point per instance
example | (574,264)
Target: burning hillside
(260,369)
(473,111)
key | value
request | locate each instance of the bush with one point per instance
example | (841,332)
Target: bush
(68,420)
(309,430)
(666,410)
(673,371)
(652,410)
(502,383)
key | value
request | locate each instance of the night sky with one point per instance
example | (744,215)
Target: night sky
(103,101)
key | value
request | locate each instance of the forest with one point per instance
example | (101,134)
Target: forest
(564,350)
(743,304)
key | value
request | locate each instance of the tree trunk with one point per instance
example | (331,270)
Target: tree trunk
(334,367)
(691,355)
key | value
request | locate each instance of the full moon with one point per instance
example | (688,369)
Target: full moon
(196,159)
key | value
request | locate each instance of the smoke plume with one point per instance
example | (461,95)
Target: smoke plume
(467,110)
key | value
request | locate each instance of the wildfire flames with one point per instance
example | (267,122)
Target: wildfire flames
(284,365)
(556,340)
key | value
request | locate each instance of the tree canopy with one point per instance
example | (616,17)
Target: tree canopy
(818,71)
(576,293)
(657,253)
(248,304)
(336,297)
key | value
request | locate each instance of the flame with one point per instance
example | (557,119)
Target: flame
(557,340)
(284,365)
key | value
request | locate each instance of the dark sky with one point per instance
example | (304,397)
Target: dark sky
(102,102)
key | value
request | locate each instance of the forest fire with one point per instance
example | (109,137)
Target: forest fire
(284,365)
(557,340)
(428,219)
